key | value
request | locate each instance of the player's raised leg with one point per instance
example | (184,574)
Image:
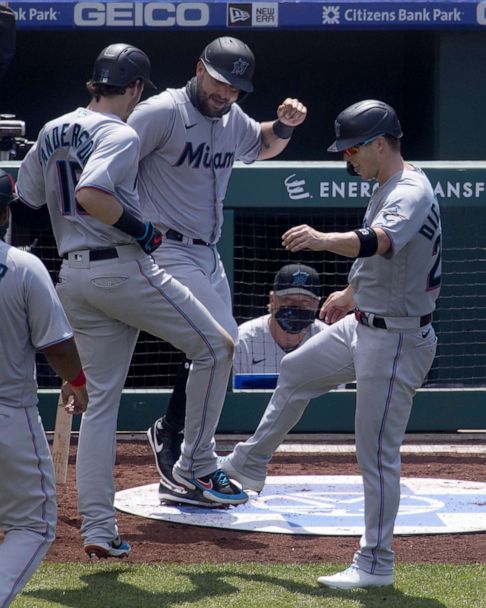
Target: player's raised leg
(301,379)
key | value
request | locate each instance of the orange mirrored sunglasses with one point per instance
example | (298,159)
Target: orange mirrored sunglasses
(353,149)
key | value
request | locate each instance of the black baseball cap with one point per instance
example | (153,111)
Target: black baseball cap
(297,279)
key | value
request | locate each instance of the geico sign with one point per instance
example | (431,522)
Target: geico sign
(153,14)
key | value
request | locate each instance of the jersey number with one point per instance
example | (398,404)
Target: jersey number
(3,271)
(434,277)
(68,173)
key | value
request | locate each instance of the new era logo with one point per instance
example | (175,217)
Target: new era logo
(239,14)
(256,14)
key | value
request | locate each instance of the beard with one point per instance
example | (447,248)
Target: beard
(204,103)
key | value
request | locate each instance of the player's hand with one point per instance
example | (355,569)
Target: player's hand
(152,238)
(291,112)
(337,306)
(303,237)
(75,399)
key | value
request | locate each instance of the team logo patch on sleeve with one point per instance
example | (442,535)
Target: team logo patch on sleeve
(391,216)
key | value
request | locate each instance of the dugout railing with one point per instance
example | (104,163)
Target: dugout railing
(265,199)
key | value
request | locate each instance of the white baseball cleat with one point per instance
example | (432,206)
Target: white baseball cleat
(247,483)
(354,578)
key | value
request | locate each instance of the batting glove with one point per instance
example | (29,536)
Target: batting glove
(151,239)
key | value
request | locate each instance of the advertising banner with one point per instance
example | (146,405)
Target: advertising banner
(284,15)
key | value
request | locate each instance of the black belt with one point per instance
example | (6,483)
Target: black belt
(173,235)
(98,254)
(380,323)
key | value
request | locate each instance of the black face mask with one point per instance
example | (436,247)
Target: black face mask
(294,320)
(350,169)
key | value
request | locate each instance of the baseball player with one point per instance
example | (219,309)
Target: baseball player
(293,306)
(190,137)
(84,165)
(387,345)
(32,319)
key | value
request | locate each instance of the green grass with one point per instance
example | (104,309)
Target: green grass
(118,585)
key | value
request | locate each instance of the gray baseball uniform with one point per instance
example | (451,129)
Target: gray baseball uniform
(388,348)
(186,160)
(257,352)
(32,318)
(111,289)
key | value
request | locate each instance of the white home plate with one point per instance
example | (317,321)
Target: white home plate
(328,505)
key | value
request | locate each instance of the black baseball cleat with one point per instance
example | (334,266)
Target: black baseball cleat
(213,490)
(178,495)
(166,446)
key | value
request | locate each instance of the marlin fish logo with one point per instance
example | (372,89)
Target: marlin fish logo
(299,278)
(239,67)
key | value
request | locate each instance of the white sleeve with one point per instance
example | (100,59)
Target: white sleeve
(402,215)
(241,362)
(114,156)
(30,180)
(153,121)
(46,317)
(249,140)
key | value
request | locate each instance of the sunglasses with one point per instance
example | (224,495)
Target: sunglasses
(353,149)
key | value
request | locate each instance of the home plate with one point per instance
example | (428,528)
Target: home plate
(327,505)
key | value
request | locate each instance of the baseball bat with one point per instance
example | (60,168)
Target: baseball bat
(62,440)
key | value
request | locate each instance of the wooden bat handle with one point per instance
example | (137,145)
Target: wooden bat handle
(62,440)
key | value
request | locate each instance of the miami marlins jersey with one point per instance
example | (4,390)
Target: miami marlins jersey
(186,161)
(405,282)
(257,352)
(33,318)
(81,149)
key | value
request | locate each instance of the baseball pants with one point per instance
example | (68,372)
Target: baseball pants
(388,367)
(107,303)
(200,268)
(27,498)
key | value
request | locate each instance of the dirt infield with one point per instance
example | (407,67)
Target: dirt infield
(158,541)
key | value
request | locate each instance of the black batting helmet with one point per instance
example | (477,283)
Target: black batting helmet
(231,61)
(363,120)
(7,189)
(121,64)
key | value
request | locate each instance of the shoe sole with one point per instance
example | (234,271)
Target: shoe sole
(102,553)
(191,498)
(172,500)
(168,482)
(225,501)
(348,586)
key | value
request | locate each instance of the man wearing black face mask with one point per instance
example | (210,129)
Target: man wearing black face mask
(293,306)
